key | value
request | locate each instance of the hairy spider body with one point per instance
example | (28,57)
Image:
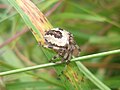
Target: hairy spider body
(62,42)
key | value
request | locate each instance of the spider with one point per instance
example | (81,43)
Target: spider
(62,42)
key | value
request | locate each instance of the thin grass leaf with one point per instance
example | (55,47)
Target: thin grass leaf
(79,16)
(89,75)
(95,14)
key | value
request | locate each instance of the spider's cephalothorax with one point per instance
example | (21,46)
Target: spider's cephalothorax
(62,42)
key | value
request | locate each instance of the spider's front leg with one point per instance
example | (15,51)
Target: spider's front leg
(60,52)
(54,48)
(68,54)
(66,58)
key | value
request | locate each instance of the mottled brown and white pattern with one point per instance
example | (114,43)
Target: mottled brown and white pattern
(62,42)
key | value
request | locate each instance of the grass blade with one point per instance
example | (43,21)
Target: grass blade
(91,77)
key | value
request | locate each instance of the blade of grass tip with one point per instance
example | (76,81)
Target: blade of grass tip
(91,77)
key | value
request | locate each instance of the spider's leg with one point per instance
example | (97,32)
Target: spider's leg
(54,57)
(70,52)
(52,47)
(65,57)
(77,47)
(69,58)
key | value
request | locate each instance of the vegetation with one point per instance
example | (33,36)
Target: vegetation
(95,25)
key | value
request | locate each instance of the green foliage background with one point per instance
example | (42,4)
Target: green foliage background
(96,28)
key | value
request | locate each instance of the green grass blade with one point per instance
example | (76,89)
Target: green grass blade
(79,16)
(91,77)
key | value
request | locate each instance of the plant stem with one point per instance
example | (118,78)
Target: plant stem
(53,64)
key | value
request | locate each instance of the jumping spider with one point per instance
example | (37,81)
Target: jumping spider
(62,42)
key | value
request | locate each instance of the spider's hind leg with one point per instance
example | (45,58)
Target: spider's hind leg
(53,59)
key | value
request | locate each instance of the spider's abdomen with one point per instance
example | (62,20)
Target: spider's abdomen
(57,37)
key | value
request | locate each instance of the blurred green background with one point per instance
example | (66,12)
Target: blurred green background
(95,25)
